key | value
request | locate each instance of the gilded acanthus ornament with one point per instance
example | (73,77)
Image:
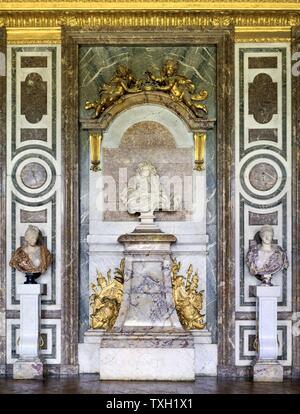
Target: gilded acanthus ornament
(188,301)
(178,87)
(106,298)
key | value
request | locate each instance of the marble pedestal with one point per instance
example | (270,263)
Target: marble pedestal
(205,362)
(147,356)
(147,341)
(29,365)
(267,367)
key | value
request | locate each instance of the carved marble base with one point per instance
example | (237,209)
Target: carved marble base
(147,341)
(267,371)
(28,369)
(205,361)
(167,357)
(206,353)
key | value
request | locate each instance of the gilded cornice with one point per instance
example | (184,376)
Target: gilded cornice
(43,26)
(148,18)
(20,5)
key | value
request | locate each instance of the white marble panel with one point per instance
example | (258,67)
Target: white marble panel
(206,359)
(30,309)
(147,364)
(88,358)
(267,297)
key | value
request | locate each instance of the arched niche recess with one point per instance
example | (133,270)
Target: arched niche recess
(128,111)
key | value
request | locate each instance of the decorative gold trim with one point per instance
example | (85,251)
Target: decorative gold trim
(36,25)
(147,18)
(53,5)
(25,35)
(199,151)
(262,34)
(52,35)
(95,151)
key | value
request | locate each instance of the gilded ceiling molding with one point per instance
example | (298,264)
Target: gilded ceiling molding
(31,35)
(268,5)
(177,18)
(43,26)
(262,34)
(52,35)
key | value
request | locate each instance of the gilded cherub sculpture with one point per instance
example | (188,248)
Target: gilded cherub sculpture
(121,83)
(106,298)
(188,301)
(33,258)
(179,87)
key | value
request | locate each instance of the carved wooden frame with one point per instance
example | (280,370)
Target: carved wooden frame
(223,40)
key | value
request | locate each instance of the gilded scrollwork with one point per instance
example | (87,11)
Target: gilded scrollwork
(106,298)
(188,300)
(178,87)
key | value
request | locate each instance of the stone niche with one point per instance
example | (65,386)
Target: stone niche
(151,141)
(156,133)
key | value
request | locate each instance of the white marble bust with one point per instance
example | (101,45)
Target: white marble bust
(31,258)
(144,193)
(266,259)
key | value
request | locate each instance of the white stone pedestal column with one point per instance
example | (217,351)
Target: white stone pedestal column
(147,341)
(267,367)
(29,365)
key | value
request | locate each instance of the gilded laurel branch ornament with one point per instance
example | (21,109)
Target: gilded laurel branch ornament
(106,298)
(188,300)
(178,87)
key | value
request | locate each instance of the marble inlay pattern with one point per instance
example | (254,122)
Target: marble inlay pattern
(263,174)
(2,201)
(262,98)
(49,340)
(245,342)
(33,175)
(296,200)
(97,65)
(34,169)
